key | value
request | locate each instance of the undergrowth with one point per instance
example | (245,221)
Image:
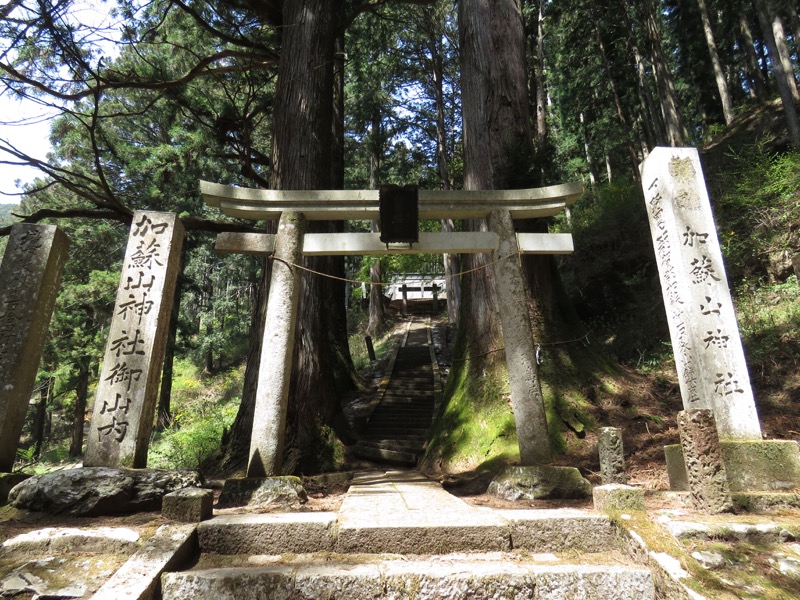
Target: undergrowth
(202,408)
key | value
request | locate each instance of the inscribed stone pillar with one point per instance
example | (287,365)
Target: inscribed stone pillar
(275,369)
(527,401)
(702,324)
(708,480)
(124,407)
(30,276)
(612,457)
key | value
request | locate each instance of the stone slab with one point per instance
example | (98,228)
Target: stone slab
(709,358)
(72,539)
(708,479)
(618,498)
(612,456)
(127,390)
(419,579)
(406,513)
(189,504)
(752,466)
(139,578)
(562,530)
(30,275)
(271,533)
(751,533)
(762,502)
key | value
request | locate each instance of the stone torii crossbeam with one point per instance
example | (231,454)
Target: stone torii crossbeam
(291,243)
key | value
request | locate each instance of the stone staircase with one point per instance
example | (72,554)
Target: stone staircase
(399,535)
(398,427)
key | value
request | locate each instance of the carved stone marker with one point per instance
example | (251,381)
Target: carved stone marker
(702,324)
(708,480)
(124,408)
(29,280)
(612,457)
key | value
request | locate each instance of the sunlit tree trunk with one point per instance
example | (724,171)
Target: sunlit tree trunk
(719,73)
(541,88)
(377,315)
(757,87)
(785,81)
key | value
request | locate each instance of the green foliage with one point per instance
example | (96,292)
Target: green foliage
(611,277)
(758,208)
(202,410)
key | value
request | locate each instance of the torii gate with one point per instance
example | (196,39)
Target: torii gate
(293,208)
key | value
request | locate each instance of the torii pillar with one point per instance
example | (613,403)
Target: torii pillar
(277,347)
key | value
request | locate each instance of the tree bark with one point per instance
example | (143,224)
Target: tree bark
(301,157)
(165,392)
(40,419)
(670,106)
(541,89)
(376,312)
(779,35)
(79,413)
(719,73)
(497,138)
(757,87)
(785,81)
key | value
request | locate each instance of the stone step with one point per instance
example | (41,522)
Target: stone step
(389,455)
(398,430)
(393,444)
(473,576)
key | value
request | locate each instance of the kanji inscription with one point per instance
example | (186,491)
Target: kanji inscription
(705,336)
(30,276)
(122,420)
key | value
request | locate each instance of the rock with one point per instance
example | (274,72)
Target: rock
(787,565)
(189,504)
(709,560)
(616,497)
(251,491)
(42,579)
(7,482)
(539,482)
(95,491)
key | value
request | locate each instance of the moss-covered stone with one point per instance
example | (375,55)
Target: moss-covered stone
(618,498)
(539,482)
(286,490)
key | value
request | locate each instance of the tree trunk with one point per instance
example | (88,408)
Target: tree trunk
(40,419)
(785,81)
(301,157)
(670,106)
(623,121)
(165,393)
(541,89)
(654,124)
(719,73)
(757,87)
(376,312)
(79,414)
(452,263)
(779,35)
(497,146)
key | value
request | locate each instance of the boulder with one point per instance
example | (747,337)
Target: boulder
(95,491)
(539,482)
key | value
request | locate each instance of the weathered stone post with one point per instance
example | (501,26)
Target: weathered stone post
(404,290)
(30,276)
(274,375)
(435,292)
(523,373)
(708,480)
(612,457)
(705,337)
(127,390)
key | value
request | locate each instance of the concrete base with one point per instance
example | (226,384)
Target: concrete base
(8,481)
(758,465)
(539,482)
(618,498)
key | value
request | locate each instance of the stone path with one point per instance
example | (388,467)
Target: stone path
(398,427)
